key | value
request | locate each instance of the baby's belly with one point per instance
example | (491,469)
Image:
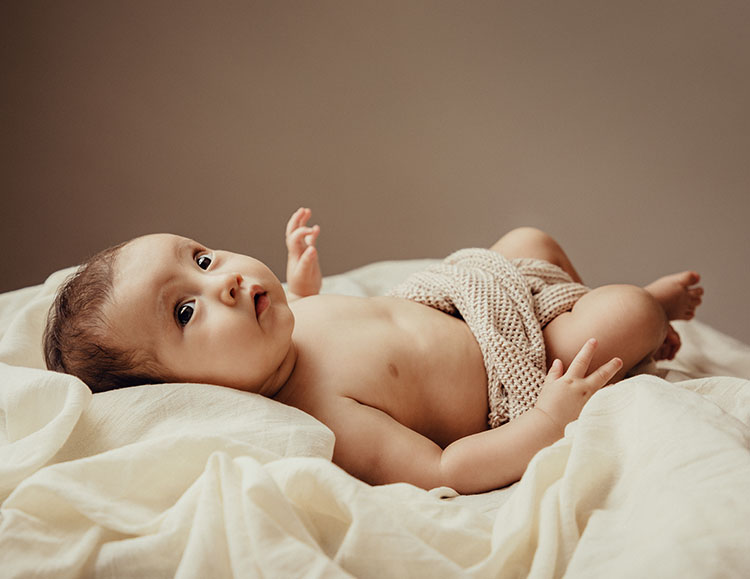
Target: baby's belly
(452,381)
(422,367)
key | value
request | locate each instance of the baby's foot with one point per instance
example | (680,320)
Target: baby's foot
(677,295)
(672,343)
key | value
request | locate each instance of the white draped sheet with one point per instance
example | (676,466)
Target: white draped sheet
(194,480)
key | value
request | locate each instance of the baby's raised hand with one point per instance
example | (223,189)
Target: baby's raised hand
(303,274)
(563,395)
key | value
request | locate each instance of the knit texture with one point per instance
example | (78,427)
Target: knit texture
(506,303)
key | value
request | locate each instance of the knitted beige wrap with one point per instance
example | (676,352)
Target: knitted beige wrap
(506,303)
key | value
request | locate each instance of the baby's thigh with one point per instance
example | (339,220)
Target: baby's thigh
(626,321)
(528,242)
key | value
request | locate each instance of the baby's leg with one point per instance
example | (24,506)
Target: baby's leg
(536,244)
(627,321)
(678,294)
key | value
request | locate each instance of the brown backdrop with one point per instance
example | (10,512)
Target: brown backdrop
(411,129)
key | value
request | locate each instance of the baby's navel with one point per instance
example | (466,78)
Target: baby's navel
(393,369)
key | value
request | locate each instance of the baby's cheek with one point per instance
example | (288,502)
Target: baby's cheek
(285,320)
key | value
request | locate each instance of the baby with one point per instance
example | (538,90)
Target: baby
(403,386)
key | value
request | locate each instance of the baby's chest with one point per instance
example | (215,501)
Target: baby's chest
(422,368)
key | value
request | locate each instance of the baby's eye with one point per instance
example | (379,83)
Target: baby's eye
(184,312)
(204,260)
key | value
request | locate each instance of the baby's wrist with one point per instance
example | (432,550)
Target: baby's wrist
(302,289)
(555,425)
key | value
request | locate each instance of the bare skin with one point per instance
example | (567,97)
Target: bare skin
(449,408)
(402,386)
(677,294)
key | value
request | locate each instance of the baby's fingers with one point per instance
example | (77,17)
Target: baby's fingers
(308,260)
(312,237)
(580,365)
(302,237)
(604,373)
(298,219)
(556,370)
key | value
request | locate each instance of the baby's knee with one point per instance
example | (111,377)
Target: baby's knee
(640,311)
(527,242)
(528,234)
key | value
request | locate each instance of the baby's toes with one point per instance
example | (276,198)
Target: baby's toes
(695,297)
(691,307)
(690,278)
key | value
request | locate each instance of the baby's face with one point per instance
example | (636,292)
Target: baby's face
(204,315)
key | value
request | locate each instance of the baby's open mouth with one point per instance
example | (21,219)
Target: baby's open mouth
(261,302)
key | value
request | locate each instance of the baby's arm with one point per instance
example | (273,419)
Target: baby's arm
(303,274)
(511,447)
(378,449)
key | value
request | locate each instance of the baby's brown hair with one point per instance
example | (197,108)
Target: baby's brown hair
(78,340)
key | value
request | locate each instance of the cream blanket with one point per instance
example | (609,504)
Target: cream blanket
(198,481)
(506,303)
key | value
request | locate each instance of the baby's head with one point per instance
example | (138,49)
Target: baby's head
(77,339)
(163,308)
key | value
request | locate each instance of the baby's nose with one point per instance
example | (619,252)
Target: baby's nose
(230,287)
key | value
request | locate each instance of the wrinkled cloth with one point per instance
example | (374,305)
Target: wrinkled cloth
(506,303)
(194,481)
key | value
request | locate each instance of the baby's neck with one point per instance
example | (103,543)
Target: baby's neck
(276,382)
(293,378)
